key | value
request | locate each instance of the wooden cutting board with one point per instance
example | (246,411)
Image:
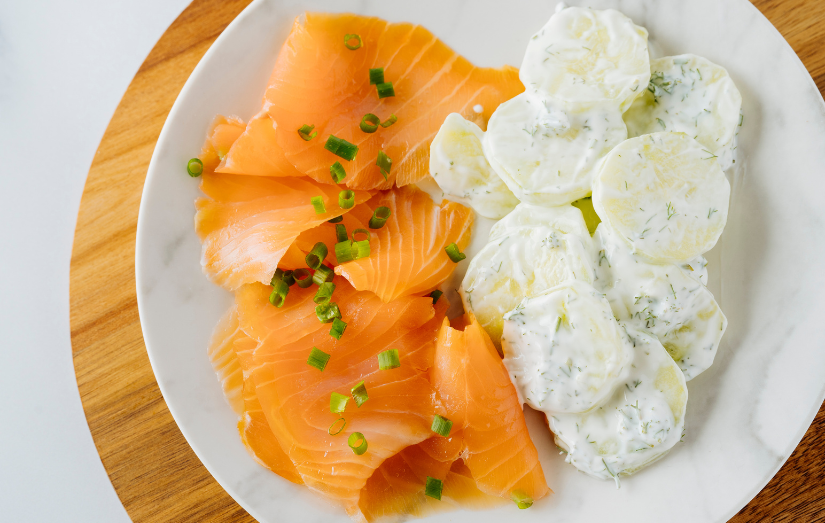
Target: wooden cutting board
(152,468)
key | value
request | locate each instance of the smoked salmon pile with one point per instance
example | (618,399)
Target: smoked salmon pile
(337,354)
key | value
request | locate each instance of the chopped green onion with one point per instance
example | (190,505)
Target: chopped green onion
(316,256)
(359,393)
(324,293)
(441,426)
(337,219)
(521,499)
(303,278)
(194,167)
(389,121)
(385,90)
(384,163)
(306,132)
(279,292)
(278,276)
(346,199)
(388,359)
(337,172)
(435,295)
(341,147)
(454,254)
(361,231)
(338,328)
(289,278)
(318,203)
(341,233)
(344,252)
(361,249)
(318,359)
(326,312)
(369,123)
(433,488)
(323,274)
(340,429)
(353,47)
(377,76)
(337,402)
(357,442)
(379,217)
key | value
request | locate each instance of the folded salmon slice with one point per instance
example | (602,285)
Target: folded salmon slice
(295,397)
(230,352)
(407,254)
(222,134)
(318,81)
(489,431)
(247,223)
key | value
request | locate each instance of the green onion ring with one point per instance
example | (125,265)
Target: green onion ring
(338,328)
(346,199)
(454,254)
(279,291)
(359,394)
(303,278)
(194,167)
(379,217)
(322,275)
(353,442)
(318,359)
(347,38)
(318,203)
(369,123)
(329,430)
(361,231)
(337,172)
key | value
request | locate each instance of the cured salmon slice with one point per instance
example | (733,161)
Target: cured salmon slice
(488,422)
(318,81)
(295,396)
(407,254)
(397,486)
(222,134)
(230,352)
(247,223)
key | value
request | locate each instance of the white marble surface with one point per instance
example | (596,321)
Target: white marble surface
(745,414)
(63,68)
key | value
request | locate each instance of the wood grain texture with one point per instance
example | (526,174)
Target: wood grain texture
(153,470)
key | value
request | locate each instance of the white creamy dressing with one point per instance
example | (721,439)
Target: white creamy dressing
(531,250)
(664,300)
(547,151)
(458,166)
(690,94)
(641,421)
(665,195)
(564,349)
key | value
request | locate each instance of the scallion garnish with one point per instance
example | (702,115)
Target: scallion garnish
(388,359)
(379,217)
(346,199)
(435,295)
(385,90)
(384,163)
(306,132)
(194,167)
(351,46)
(326,312)
(377,76)
(357,442)
(521,499)
(318,203)
(337,219)
(341,147)
(317,255)
(341,233)
(279,292)
(322,275)
(303,278)
(360,231)
(359,394)
(289,278)
(344,252)
(333,430)
(324,293)
(338,328)
(361,249)
(454,254)
(318,359)
(337,402)
(389,121)
(441,426)
(433,488)
(369,123)
(278,276)
(337,172)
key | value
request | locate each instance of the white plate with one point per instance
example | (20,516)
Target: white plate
(745,415)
